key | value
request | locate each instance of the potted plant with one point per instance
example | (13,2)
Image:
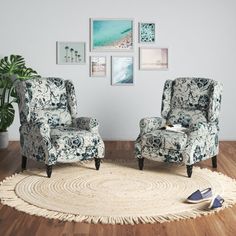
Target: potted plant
(12,69)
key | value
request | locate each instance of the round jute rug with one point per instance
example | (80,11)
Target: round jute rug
(118,193)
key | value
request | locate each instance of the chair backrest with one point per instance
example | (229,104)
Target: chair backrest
(191,100)
(52,99)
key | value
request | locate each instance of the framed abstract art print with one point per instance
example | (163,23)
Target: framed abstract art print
(147,32)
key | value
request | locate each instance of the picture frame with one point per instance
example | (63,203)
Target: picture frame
(111,34)
(71,53)
(122,70)
(153,58)
(147,32)
(98,66)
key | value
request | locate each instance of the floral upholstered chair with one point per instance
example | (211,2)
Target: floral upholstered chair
(50,131)
(195,104)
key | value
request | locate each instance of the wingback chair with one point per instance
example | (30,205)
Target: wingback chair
(50,131)
(195,104)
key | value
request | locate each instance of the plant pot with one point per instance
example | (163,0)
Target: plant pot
(4,140)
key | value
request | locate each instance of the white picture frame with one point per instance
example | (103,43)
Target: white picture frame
(98,66)
(153,58)
(147,32)
(111,35)
(71,53)
(122,70)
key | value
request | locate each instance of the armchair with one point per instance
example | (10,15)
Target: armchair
(50,130)
(195,104)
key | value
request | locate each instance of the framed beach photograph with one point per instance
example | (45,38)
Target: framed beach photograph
(98,66)
(111,34)
(147,32)
(70,53)
(153,58)
(122,70)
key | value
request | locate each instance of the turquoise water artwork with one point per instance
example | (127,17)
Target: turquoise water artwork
(111,34)
(122,71)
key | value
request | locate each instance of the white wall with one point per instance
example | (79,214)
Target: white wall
(200,35)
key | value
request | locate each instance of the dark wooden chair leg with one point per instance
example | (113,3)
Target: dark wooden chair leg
(140,163)
(97,163)
(214,161)
(23,163)
(189,170)
(49,170)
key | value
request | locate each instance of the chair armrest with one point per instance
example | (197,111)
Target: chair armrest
(87,123)
(149,124)
(198,129)
(39,134)
(40,127)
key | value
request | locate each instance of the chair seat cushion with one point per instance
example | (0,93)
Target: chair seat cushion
(72,137)
(72,144)
(165,139)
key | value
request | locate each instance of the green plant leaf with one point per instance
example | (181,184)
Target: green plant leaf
(12,68)
(7,113)
(13,65)
(14,94)
(26,73)
(5,81)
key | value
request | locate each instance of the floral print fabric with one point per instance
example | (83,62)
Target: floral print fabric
(50,131)
(195,104)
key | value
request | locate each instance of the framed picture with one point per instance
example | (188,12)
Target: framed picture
(98,66)
(153,58)
(122,70)
(111,35)
(70,53)
(147,33)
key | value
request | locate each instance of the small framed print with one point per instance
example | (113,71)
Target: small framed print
(147,32)
(98,66)
(153,58)
(122,70)
(70,53)
(111,35)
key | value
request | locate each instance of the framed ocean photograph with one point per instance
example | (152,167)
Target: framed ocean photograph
(147,32)
(111,34)
(98,66)
(70,53)
(153,58)
(122,70)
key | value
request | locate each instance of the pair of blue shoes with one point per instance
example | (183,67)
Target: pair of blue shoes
(205,195)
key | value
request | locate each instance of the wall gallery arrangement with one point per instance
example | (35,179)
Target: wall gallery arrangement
(115,35)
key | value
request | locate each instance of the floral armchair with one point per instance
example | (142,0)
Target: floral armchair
(195,104)
(50,131)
